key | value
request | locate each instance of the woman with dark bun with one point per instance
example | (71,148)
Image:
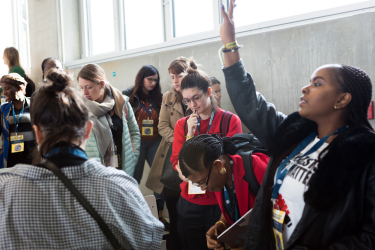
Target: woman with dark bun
(319,188)
(18,137)
(115,138)
(212,162)
(198,210)
(39,212)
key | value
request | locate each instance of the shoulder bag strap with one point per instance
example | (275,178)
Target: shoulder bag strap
(82,200)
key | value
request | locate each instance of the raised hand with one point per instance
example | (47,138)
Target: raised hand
(228,34)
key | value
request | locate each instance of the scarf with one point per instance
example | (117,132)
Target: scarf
(99,114)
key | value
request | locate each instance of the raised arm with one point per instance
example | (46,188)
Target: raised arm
(259,116)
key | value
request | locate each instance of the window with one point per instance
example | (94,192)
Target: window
(251,12)
(6,40)
(100,26)
(193,16)
(143,23)
(23,33)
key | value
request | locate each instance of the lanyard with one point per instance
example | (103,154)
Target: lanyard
(148,111)
(209,125)
(19,117)
(282,171)
(72,151)
(230,198)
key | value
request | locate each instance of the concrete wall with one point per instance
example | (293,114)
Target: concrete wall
(281,61)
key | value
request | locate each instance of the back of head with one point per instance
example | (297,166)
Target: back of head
(214,80)
(92,72)
(13,57)
(59,112)
(181,65)
(356,82)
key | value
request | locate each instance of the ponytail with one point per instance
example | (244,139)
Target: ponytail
(201,151)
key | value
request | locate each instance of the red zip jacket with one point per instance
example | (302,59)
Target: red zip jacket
(180,137)
(244,197)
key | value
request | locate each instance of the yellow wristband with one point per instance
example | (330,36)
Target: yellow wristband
(231,45)
(222,223)
(188,137)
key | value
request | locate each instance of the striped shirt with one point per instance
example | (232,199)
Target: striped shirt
(25,129)
(39,212)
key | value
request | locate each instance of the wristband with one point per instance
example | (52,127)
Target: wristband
(188,137)
(231,45)
(221,223)
(232,49)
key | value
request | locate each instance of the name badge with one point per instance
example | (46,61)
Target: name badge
(148,127)
(195,190)
(17,144)
(278,220)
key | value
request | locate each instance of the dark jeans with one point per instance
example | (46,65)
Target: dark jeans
(193,223)
(147,152)
(173,242)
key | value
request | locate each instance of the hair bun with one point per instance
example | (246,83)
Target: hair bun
(191,70)
(60,79)
(192,64)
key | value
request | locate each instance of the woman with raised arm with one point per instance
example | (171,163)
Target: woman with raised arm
(198,210)
(40,212)
(319,188)
(115,138)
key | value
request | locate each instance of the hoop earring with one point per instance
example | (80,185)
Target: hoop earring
(223,170)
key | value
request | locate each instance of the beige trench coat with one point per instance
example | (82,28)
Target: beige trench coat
(171,111)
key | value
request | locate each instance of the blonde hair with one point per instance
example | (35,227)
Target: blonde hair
(13,57)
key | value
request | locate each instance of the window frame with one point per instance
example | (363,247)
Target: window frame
(171,42)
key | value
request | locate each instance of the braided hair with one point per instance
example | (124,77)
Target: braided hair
(201,151)
(356,82)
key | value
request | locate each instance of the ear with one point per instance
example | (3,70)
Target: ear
(38,134)
(209,91)
(218,164)
(102,84)
(344,100)
(88,129)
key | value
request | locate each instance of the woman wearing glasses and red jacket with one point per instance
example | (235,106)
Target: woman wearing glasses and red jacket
(198,211)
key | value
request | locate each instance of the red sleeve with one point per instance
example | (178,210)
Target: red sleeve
(260,162)
(178,141)
(235,126)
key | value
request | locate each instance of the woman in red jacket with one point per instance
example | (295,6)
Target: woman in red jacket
(198,210)
(210,162)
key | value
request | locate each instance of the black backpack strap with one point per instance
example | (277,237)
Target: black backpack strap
(247,158)
(225,123)
(82,200)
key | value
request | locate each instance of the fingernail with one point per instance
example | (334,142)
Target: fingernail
(222,6)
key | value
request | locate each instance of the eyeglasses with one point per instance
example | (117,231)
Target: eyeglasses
(206,182)
(194,99)
(150,80)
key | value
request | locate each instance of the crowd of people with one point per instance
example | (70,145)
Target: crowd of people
(316,175)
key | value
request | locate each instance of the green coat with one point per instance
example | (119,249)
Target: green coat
(129,158)
(18,70)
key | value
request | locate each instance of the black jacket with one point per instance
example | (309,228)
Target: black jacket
(340,202)
(136,104)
